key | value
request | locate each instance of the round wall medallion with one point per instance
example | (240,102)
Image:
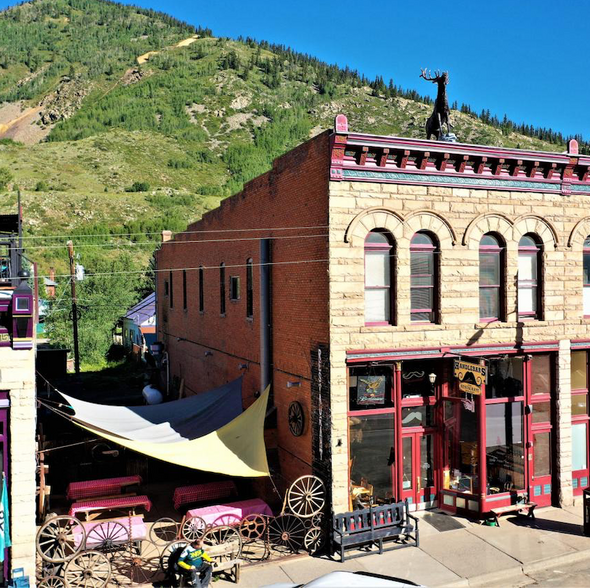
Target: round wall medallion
(296,419)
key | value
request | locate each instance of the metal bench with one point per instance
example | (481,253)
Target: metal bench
(372,526)
(525,508)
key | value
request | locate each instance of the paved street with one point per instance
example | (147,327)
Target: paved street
(547,551)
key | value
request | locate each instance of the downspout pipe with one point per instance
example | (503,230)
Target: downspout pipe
(265,316)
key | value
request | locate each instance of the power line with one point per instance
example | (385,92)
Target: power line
(156,243)
(73,235)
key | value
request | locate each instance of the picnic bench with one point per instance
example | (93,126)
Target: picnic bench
(103,487)
(203,492)
(372,526)
(93,508)
(524,508)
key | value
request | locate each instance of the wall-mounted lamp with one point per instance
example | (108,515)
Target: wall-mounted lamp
(208,353)
(242,366)
(432,378)
(293,384)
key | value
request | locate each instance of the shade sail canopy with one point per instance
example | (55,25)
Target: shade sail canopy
(236,449)
(170,422)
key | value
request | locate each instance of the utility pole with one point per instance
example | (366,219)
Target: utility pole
(74,307)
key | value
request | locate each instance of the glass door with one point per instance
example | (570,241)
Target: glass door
(418,484)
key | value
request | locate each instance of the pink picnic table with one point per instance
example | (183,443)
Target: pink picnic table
(119,503)
(231,513)
(104,487)
(202,492)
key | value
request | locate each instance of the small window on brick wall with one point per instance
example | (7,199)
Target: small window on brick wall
(234,288)
(222,288)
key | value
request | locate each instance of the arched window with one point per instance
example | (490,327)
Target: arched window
(378,290)
(529,273)
(491,278)
(423,278)
(587,277)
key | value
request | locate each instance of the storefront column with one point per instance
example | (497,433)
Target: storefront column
(564,425)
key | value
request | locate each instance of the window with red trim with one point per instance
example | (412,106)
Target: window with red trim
(491,274)
(423,278)
(378,278)
(587,277)
(529,273)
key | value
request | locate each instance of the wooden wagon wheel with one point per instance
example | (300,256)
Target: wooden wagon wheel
(168,551)
(314,539)
(108,537)
(60,539)
(164,530)
(51,582)
(224,535)
(296,419)
(306,496)
(255,551)
(253,527)
(286,531)
(139,568)
(193,528)
(90,569)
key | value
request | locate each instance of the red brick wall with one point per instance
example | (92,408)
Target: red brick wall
(293,194)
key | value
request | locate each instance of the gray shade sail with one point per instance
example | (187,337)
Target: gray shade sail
(170,422)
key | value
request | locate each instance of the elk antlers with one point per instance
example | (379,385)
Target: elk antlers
(428,76)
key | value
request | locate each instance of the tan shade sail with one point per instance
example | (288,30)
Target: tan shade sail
(236,449)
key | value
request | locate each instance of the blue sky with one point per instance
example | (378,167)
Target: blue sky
(528,59)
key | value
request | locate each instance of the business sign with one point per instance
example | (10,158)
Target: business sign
(471,376)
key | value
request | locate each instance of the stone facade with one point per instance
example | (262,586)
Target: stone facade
(17,377)
(458,217)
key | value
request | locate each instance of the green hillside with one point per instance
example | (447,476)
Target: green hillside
(118,120)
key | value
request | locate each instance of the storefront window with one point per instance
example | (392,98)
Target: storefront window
(461,463)
(416,379)
(370,387)
(541,369)
(504,447)
(371,459)
(579,447)
(541,412)
(542,453)
(579,374)
(418,416)
(579,404)
(505,378)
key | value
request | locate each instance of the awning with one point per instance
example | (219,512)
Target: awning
(236,449)
(176,421)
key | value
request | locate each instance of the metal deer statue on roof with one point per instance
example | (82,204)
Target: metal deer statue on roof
(440,114)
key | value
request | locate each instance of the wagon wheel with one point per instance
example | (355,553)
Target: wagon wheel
(286,532)
(193,528)
(164,530)
(317,520)
(168,551)
(306,496)
(90,569)
(224,535)
(314,540)
(139,568)
(51,582)
(107,537)
(253,527)
(255,551)
(60,539)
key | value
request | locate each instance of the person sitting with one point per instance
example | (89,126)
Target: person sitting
(195,560)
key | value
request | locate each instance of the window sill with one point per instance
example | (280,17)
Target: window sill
(496,325)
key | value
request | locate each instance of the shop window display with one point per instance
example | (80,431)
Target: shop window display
(370,388)
(461,466)
(505,379)
(504,447)
(418,378)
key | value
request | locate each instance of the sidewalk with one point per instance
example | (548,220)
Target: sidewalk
(473,555)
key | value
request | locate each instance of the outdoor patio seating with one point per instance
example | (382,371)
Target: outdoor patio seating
(204,492)
(103,487)
(93,508)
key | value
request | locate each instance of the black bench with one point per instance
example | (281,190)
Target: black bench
(372,526)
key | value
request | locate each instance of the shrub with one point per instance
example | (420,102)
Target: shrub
(41,186)
(5,177)
(138,187)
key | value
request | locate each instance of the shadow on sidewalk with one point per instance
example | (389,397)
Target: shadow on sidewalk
(548,525)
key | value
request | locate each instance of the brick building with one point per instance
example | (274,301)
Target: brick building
(424,305)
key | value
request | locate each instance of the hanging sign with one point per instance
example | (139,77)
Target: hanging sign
(471,376)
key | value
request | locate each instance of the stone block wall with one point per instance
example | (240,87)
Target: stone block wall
(17,376)
(458,218)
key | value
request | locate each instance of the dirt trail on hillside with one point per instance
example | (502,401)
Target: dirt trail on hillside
(184,43)
(18,124)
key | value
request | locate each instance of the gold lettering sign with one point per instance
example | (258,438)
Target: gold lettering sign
(477,376)
(4,337)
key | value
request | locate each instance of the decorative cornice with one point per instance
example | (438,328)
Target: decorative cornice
(375,158)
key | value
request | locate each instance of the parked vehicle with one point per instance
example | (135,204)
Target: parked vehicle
(351,580)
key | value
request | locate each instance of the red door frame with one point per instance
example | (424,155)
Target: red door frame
(415,495)
(581,478)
